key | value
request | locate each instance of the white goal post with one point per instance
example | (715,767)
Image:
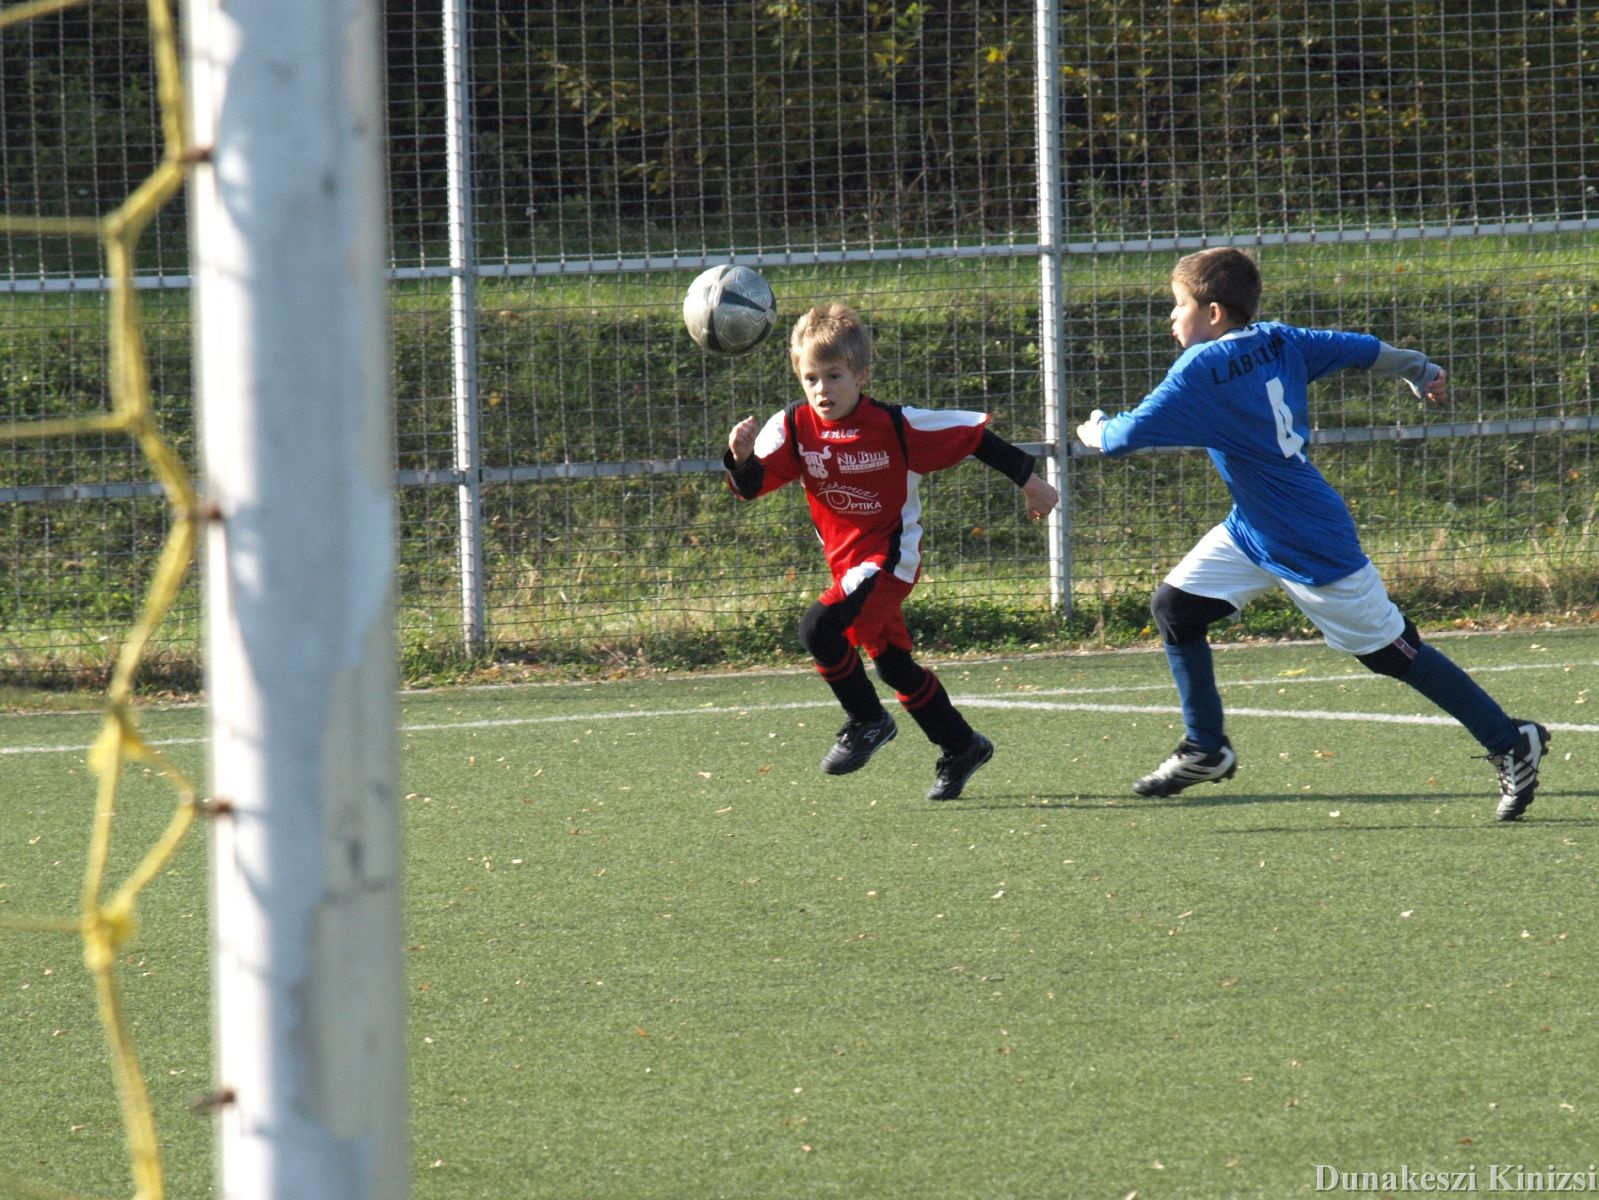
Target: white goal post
(291,347)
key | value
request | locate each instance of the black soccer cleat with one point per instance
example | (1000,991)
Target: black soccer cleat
(1518,769)
(857,742)
(953,770)
(1187,766)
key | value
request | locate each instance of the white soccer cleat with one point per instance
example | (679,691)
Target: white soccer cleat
(1187,766)
(1518,770)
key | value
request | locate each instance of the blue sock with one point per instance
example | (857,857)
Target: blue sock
(1195,676)
(1452,690)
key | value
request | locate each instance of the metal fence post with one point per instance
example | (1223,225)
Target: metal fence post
(1051,294)
(463,322)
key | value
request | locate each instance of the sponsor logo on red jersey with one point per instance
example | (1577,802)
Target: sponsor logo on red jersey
(850,462)
(845,499)
(816,460)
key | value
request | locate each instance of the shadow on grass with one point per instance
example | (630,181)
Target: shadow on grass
(1232,798)
(1130,802)
(1098,802)
(1529,823)
(1007,803)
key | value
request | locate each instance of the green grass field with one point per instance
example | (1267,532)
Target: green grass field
(653,952)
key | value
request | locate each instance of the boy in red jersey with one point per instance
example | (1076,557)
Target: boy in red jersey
(860,462)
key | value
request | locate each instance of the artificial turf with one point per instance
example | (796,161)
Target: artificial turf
(653,952)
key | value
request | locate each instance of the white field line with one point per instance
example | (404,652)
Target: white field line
(1031,703)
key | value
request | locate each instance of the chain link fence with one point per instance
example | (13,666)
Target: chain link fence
(1000,189)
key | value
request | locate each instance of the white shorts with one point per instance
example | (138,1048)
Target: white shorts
(1354,613)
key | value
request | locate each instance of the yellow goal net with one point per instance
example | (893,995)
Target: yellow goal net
(105,920)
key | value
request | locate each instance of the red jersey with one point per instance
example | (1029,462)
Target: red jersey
(861,477)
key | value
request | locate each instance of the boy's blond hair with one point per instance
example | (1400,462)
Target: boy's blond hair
(831,333)
(1223,275)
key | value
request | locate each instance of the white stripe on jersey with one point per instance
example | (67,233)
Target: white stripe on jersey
(932,419)
(927,420)
(910,531)
(855,576)
(772,436)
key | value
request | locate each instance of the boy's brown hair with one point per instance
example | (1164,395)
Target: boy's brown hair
(1223,275)
(832,333)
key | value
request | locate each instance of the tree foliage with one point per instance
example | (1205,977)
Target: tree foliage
(899,118)
(910,117)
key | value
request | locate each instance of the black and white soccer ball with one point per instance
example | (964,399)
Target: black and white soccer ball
(729,310)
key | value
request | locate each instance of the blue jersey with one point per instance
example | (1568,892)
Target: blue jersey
(1243,397)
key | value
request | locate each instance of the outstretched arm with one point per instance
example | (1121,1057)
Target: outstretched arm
(1018,466)
(1423,376)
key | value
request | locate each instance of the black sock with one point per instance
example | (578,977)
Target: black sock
(853,687)
(931,708)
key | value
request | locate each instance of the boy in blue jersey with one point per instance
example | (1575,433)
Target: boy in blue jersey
(1239,390)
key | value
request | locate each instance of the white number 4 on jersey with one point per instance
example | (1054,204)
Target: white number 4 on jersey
(1289,441)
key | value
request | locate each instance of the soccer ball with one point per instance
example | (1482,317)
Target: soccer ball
(729,310)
